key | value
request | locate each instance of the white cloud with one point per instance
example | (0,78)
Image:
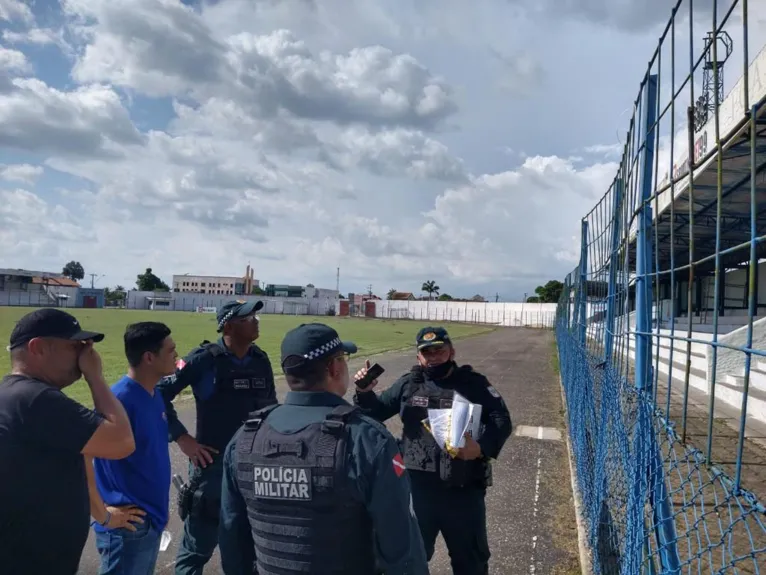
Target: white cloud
(24,173)
(39,37)
(11,10)
(13,61)
(88,121)
(162,48)
(282,151)
(32,228)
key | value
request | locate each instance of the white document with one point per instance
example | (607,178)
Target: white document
(449,426)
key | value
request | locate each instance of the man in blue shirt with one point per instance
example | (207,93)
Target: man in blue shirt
(131,500)
(313,485)
(229,379)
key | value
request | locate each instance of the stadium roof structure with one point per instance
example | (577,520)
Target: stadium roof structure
(743,144)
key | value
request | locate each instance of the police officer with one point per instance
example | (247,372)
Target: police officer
(312,485)
(448,492)
(229,379)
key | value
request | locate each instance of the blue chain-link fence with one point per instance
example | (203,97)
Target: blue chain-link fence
(661,328)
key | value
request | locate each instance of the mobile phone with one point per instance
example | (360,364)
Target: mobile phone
(372,374)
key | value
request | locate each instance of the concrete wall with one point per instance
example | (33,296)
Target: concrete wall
(500,313)
(272,305)
(38,297)
(96,293)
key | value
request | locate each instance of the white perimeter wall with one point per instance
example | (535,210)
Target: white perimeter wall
(500,313)
(277,305)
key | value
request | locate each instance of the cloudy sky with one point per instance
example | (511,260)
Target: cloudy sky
(456,141)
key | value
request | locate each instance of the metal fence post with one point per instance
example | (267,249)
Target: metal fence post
(611,302)
(663,514)
(583,301)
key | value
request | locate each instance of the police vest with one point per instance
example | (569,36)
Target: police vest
(419,448)
(303,516)
(238,391)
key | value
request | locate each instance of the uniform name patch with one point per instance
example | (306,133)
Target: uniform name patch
(290,483)
(419,401)
(493,392)
(445,403)
(241,384)
(259,383)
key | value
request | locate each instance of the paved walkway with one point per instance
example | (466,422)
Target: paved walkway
(531,519)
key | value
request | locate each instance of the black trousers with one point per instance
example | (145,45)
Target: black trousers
(459,514)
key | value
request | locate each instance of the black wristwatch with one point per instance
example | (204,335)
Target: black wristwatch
(106,519)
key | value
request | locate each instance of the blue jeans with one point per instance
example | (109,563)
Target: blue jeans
(125,552)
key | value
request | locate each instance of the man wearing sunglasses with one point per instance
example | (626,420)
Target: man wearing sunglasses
(229,379)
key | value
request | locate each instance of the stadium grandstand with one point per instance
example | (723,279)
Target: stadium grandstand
(661,328)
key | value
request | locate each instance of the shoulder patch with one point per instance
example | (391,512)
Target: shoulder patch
(399,467)
(493,392)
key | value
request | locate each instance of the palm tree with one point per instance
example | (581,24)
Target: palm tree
(430,288)
(391,293)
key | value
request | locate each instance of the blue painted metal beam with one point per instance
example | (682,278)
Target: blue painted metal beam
(661,506)
(611,302)
(583,291)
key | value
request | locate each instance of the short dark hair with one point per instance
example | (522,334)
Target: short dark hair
(308,376)
(142,337)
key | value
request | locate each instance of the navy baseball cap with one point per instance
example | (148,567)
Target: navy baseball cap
(310,342)
(50,322)
(236,308)
(429,336)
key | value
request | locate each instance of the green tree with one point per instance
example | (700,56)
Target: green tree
(391,293)
(430,288)
(548,293)
(147,281)
(114,296)
(257,291)
(73,270)
(445,297)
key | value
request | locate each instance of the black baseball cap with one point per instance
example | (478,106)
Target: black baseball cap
(50,322)
(430,336)
(236,308)
(310,342)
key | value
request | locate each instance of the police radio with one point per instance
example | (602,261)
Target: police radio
(372,374)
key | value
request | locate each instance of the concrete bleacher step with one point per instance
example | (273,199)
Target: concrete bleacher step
(697,376)
(757,379)
(732,395)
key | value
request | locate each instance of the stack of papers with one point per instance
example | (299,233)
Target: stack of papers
(449,426)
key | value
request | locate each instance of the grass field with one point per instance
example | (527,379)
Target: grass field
(372,336)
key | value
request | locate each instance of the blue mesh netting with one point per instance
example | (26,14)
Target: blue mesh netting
(670,483)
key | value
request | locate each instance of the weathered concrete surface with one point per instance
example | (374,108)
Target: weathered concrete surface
(530,513)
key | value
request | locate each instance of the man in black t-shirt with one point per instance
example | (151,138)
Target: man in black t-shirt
(44,505)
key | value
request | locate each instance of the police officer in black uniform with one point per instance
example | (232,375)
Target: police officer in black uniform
(448,492)
(314,486)
(229,379)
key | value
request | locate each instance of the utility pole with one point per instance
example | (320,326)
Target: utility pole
(369,290)
(93,279)
(497,297)
(337,280)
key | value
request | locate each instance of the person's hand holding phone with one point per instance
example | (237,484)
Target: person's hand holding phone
(367,378)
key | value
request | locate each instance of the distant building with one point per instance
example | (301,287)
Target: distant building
(403,296)
(278,290)
(37,288)
(216,285)
(360,298)
(25,280)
